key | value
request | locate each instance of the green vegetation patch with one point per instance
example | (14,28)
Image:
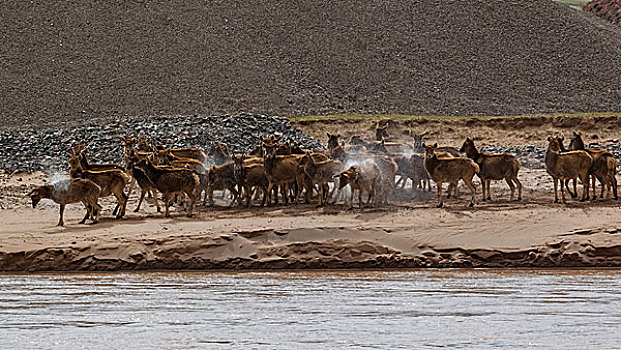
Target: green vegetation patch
(400,117)
(577,4)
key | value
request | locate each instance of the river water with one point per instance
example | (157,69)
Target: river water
(483,309)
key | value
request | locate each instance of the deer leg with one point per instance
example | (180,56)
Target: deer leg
(89,212)
(61,222)
(519,184)
(585,187)
(298,195)
(360,198)
(489,190)
(192,202)
(210,190)
(270,187)
(473,190)
(157,205)
(572,194)
(556,189)
(167,203)
(511,186)
(131,186)
(440,203)
(320,201)
(142,194)
(563,194)
(119,204)
(125,200)
(235,195)
(95,211)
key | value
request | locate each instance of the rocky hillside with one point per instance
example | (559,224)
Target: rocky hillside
(82,59)
(34,148)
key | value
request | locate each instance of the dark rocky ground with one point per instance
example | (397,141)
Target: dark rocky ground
(43,148)
(72,60)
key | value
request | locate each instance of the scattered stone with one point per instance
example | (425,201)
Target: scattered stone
(34,149)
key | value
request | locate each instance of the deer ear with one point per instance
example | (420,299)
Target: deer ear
(424,145)
(328,134)
(549,138)
(435,145)
(337,135)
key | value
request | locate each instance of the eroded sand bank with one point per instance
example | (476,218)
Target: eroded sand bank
(491,235)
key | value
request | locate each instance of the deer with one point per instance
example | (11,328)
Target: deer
(250,175)
(604,166)
(67,192)
(171,181)
(111,182)
(419,145)
(494,167)
(450,170)
(567,166)
(361,177)
(320,174)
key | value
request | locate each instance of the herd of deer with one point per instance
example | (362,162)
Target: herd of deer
(275,169)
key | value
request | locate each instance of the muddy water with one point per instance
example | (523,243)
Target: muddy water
(290,310)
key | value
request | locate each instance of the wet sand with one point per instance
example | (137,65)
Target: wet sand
(531,233)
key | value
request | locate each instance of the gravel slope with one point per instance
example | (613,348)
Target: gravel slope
(81,59)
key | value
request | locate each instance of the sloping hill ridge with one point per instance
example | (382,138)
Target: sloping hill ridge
(75,59)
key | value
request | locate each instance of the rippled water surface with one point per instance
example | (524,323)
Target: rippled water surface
(293,310)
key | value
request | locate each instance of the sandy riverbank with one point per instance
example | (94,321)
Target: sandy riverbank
(533,233)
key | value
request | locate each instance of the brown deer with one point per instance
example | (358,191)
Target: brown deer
(567,166)
(250,175)
(111,182)
(143,181)
(419,145)
(67,192)
(450,170)
(280,170)
(604,166)
(190,152)
(494,167)
(381,132)
(361,177)
(320,173)
(171,181)
(167,157)
(221,177)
